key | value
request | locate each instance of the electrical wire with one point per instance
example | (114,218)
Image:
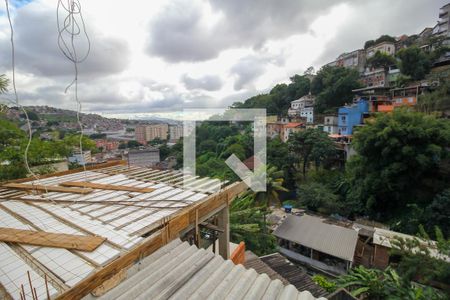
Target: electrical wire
(16,96)
(68,29)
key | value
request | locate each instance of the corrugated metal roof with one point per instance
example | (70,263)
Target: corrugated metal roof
(313,233)
(181,271)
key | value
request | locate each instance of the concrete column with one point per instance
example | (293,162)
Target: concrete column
(224,238)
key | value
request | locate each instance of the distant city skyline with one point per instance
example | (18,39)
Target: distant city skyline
(157,57)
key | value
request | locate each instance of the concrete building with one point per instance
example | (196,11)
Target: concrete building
(374,78)
(175,132)
(352,115)
(442,27)
(107,145)
(147,157)
(330,125)
(299,104)
(352,60)
(81,159)
(146,133)
(383,47)
(308,114)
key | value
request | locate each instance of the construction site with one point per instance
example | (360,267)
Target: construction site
(114,232)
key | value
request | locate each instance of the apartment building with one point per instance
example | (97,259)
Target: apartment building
(146,133)
(442,27)
(175,132)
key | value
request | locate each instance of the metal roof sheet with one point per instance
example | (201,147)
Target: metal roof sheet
(313,233)
(181,271)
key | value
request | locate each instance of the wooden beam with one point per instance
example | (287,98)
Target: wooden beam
(49,239)
(47,188)
(88,284)
(100,186)
(77,170)
(169,231)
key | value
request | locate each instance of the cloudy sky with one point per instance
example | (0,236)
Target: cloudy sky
(152,56)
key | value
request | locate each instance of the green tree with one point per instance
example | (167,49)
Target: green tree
(414,260)
(402,162)
(247,224)
(133,144)
(317,197)
(155,141)
(207,146)
(385,38)
(333,87)
(436,101)
(73,141)
(274,186)
(299,86)
(414,62)
(377,284)
(3,84)
(438,212)
(381,60)
(310,146)
(369,44)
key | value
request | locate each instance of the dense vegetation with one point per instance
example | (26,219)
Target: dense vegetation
(13,142)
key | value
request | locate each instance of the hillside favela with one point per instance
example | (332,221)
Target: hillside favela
(204,149)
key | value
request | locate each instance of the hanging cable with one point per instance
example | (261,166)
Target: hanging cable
(16,96)
(70,27)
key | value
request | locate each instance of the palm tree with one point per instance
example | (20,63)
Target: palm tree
(274,185)
(3,84)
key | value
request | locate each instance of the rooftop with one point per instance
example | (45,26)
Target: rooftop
(181,271)
(295,275)
(292,125)
(125,212)
(313,233)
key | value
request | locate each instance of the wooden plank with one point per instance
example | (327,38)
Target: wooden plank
(78,170)
(49,239)
(47,188)
(101,186)
(88,284)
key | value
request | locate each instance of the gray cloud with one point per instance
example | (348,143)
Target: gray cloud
(375,18)
(249,68)
(37,52)
(178,34)
(208,82)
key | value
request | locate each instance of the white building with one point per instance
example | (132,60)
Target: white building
(330,125)
(383,47)
(308,113)
(442,27)
(297,105)
(81,159)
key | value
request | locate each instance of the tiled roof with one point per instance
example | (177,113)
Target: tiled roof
(295,275)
